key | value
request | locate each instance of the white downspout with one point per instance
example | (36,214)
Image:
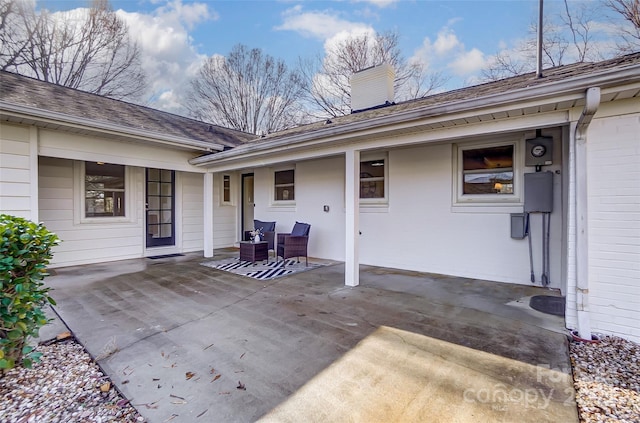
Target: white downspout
(592,102)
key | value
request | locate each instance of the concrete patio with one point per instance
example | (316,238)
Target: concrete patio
(179,339)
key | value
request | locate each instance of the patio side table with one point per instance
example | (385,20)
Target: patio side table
(254,251)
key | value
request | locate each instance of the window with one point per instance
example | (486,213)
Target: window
(488,174)
(372,179)
(226,189)
(488,170)
(284,185)
(104,188)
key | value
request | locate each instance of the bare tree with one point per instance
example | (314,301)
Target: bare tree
(421,83)
(629,10)
(568,38)
(327,79)
(504,65)
(14,33)
(88,49)
(248,91)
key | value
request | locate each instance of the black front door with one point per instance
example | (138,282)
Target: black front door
(160,207)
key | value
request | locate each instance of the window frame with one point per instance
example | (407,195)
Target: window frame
(371,157)
(488,199)
(80,201)
(226,190)
(274,200)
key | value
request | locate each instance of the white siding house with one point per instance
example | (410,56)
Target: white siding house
(18,172)
(57,166)
(432,185)
(55,142)
(423,218)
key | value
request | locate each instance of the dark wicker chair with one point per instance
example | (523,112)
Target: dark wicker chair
(294,244)
(268,232)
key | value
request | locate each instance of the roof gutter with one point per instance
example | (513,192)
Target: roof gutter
(552,89)
(56,117)
(592,98)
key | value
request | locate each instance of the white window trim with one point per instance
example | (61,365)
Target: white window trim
(79,198)
(272,184)
(231,201)
(488,200)
(376,202)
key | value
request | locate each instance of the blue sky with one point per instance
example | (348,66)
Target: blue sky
(290,29)
(453,37)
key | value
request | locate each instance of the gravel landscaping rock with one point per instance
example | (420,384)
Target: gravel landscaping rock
(607,380)
(65,386)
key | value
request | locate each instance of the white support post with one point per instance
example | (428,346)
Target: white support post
(352,225)
(208,214)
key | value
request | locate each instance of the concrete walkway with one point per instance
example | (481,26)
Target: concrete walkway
(179,339)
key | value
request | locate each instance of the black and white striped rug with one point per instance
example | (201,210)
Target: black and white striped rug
(260,270)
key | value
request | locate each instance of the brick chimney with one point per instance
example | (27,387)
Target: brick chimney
(372,87)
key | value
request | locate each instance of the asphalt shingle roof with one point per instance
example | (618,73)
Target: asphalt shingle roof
(25,91)
(477,91)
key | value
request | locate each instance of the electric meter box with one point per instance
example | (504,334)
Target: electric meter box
(539,151)
(538,192)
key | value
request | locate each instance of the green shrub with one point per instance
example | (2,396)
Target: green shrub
(25,251)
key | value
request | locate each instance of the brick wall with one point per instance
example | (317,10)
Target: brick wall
(614,225)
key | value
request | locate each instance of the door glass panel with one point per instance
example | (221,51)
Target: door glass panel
(165,231)
(166,216)
(153,188)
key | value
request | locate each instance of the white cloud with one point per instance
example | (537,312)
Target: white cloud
(379,3)
(339,38)
(188,14)
(169,56)
(318,24)
(446,41)
(170,101)
(447,53)
(468,62)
